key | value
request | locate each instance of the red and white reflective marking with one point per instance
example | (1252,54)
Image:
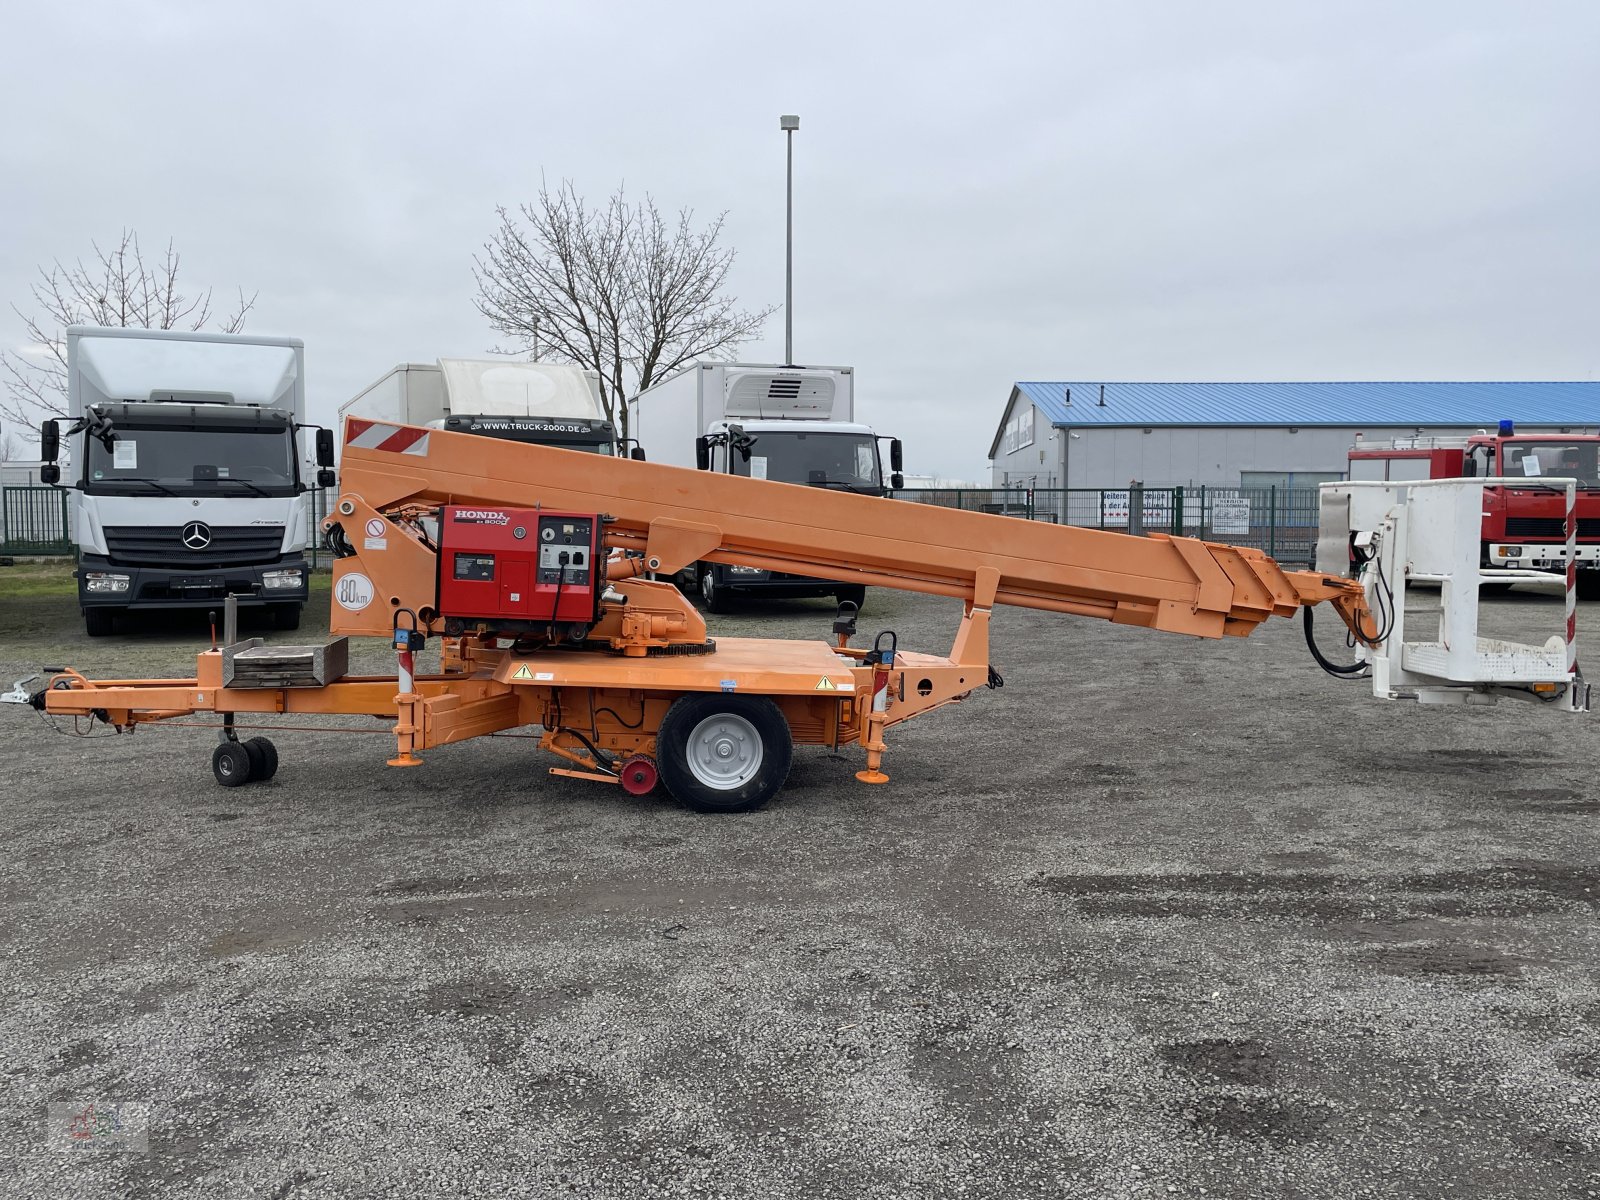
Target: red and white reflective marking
(1572,579)
(396,439)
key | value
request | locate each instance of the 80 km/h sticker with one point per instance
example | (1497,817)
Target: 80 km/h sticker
(353,591)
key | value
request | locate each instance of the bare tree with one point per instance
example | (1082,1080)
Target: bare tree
(618,289)
(118,287)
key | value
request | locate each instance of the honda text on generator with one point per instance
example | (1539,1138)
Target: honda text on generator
(1524,518)
(537,587)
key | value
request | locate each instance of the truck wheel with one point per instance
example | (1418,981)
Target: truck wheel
(230,763)
(263,759)
(99,622)
(286,616)
(1589,585)
(714,598)
(851,595)
(722,754)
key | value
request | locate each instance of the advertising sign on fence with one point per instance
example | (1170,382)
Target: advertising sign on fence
(1114,506)
(1229,514)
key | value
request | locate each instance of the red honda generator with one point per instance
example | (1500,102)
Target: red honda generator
(520,571)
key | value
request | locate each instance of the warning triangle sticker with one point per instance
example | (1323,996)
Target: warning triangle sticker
(826,685)
(522,672)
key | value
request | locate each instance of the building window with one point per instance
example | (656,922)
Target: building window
(1287,479)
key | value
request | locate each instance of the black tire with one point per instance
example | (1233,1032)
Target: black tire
(856,595)
(1494,589)
(1589,585)
(264,759)
(713,597)
(759,746)
(286,616)
(231,763)
(99,622)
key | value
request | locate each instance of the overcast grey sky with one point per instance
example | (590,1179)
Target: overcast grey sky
(983,193)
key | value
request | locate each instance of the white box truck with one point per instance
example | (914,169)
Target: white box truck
(554,404)
(787,424)
(188,485)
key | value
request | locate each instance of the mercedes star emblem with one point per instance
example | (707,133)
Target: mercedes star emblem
(196,535)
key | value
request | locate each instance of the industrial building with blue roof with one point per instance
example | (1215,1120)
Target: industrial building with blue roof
(1094,434)
(1314,403)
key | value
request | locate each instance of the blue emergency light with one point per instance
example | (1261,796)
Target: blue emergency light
(1507,428)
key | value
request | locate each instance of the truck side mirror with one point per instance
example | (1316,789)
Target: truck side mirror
(50,473)
(702,453)
(896,456)
(325,477)
(49,441)
(324,450)
(637,454)
(1469,466)
(897,481)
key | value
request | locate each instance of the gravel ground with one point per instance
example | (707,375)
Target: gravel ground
(1158,918)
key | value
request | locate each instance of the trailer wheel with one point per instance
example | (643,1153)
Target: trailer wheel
(230,763)
(720,753)
(263,759)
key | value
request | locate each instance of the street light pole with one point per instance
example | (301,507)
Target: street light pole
(788,125)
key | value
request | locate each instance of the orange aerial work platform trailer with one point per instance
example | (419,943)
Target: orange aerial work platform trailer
(533,566)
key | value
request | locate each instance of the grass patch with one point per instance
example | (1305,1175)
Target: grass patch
(35,578)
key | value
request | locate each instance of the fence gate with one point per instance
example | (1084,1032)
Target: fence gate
(33,520)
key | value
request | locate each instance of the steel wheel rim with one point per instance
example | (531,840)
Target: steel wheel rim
(724,751)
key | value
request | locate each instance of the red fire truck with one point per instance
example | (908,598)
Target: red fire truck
(1523,526)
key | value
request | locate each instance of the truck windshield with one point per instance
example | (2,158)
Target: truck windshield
(1537,459)
(838,460)
(244,460)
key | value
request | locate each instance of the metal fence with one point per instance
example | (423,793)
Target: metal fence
(33,520)
(322,502)
(1281,521)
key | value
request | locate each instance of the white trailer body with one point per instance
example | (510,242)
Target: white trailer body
(188,485)
(786,424)
(554,404)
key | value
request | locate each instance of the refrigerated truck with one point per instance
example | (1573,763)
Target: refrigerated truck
(782,423)
(187,483)
(553,404)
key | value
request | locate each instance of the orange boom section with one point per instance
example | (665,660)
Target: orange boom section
(676,517)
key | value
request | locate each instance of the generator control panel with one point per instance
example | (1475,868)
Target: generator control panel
(520,569)
(564,549)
